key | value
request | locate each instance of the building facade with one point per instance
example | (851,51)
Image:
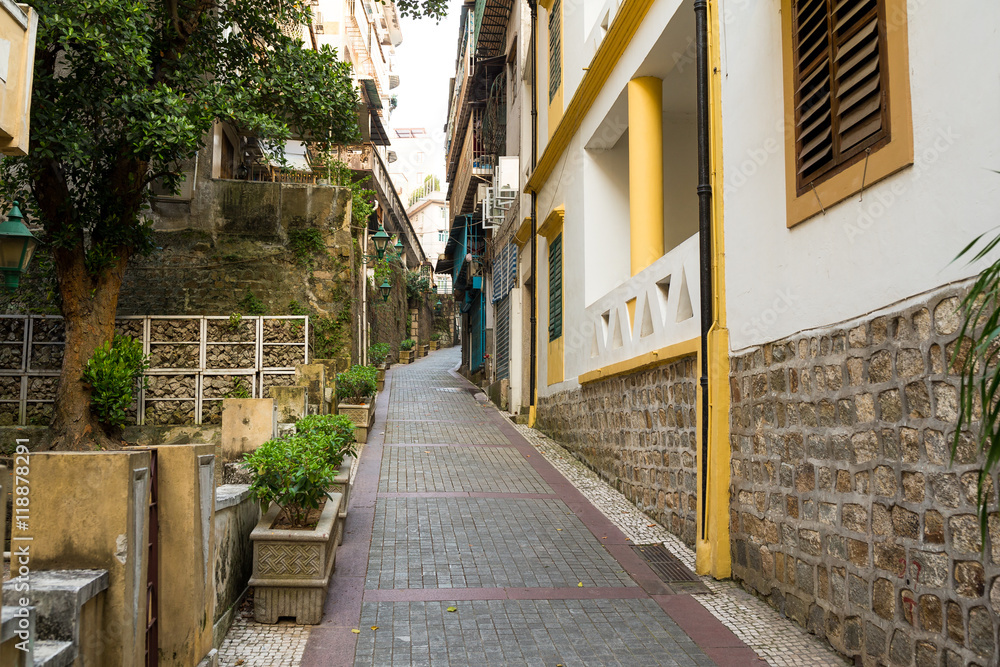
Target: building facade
(746,216)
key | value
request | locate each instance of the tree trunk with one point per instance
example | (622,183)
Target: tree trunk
(88,305)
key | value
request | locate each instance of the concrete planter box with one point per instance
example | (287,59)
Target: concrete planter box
(380,378)
(426,350)
(342,485)
(434,345)
(404,356)
(292,568)
(361,415)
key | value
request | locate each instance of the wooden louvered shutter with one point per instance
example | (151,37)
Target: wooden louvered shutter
(555,288)
(555,49)
(841,84)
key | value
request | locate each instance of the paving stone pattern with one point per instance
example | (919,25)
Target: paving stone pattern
(773,637)
(524,632)
(440,432)
(422,541)
(484,543)
(444,469)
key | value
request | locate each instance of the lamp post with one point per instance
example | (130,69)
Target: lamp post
(385,288)
(17,245)
(381,241)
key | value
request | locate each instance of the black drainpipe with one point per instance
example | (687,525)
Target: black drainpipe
(704,238)
(534,219)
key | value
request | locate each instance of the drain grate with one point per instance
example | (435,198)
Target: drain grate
(670,569)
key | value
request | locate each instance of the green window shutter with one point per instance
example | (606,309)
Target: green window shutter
(555,287)
(555,48)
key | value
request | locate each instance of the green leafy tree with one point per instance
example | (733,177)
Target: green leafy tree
(124,93)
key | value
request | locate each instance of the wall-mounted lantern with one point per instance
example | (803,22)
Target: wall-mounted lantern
(17,245)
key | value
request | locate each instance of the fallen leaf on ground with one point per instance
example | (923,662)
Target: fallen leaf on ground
(374,627)
(452,608)
(558,528)
(650,525)
(356,631)
(580,585)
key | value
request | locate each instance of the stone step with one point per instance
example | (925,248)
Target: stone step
(54,653)
(58,596)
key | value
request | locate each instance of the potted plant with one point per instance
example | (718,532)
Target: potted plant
(435,337)
(405,351)
(295,541)
(334,434)
(377,355)
(356,388)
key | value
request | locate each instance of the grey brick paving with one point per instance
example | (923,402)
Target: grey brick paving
(452,432)
(442,469)
(573,633)
(485,542)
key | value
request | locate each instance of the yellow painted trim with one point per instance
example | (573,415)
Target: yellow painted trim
(645,171)
(556,361)
(523,233)
(623,28)
(713,555)
(883,162)
(664,355)
(553,224)
(546,4)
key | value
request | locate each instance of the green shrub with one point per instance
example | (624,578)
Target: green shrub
(294,472)
(334,433)
(436,336)
(114,373)
(357,385)
(407,344)
(378,353)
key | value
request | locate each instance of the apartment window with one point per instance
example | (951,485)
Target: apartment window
(555,287)
(843,66)
(555,49)
(442,236)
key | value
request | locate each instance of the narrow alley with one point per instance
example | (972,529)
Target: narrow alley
(465,546)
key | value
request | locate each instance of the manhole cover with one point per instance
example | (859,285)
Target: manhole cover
(670,569)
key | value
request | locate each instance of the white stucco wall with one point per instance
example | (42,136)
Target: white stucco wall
(588,182)
(900,240)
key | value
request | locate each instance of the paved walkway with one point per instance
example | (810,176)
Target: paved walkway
(464,546)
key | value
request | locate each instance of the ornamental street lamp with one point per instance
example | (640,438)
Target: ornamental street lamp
(381,241)
(399,246)
(385,288)
(17,245)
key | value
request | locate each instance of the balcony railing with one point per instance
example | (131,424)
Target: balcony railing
(664,298)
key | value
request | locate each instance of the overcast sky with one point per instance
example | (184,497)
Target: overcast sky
(425,62)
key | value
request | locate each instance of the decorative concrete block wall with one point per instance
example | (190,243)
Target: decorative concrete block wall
(846,511)
(638,432)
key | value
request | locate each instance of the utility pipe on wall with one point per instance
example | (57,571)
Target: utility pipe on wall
(533,355)
(704,237)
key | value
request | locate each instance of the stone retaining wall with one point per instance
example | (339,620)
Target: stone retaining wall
(638,432)
(846,512)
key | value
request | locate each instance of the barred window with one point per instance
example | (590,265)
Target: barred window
(555,287)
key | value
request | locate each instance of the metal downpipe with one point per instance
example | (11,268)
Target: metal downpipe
(532,374)
(704,238)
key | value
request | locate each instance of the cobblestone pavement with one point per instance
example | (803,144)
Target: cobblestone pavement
(251,644)
(776,639)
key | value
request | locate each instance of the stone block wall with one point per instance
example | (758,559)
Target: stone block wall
(637,431)
(847,513)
